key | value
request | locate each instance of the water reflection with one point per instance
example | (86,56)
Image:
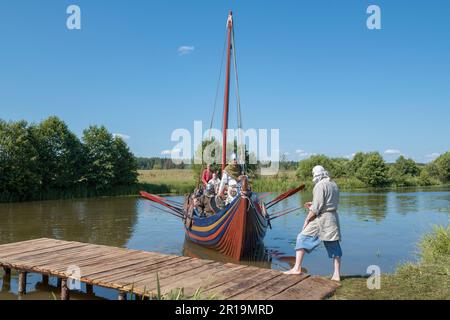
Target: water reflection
(259,258)
(108,221)
(378,229)
(366,206)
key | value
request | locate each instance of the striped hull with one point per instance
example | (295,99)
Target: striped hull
(237,231)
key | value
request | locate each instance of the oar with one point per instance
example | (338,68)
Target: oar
(283,213)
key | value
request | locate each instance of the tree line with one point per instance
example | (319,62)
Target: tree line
(370,170)
(156,163)
(38,159)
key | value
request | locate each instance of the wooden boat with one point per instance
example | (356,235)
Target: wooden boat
(238,229)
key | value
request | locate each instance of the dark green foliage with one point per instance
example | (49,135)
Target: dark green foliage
(60,154)
(18,161)
(373,172)
(370,170)
(442,167)
(48,161)
(159,163)
(125,164)
(98,146)
(404,172)
(336,167)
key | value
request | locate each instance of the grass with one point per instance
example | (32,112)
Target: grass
(427,279)
(179,181)
(175,181)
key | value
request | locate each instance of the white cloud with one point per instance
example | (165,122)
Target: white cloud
(166,152)
(184,50)
(392,151)
(302,153)
(121,135)
(432,156)
(173,152)
(350,156)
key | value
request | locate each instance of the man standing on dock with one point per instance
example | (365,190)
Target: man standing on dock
(321,224)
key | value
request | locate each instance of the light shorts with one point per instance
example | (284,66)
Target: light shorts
(309,243)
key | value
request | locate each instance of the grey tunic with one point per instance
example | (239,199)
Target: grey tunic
(325,205)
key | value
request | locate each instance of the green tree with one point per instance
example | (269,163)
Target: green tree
(59,154)
(373,171)
(442,164)
(404,166)
(125,164)
(305,167)
(100,157)
(356,163)
(19,179)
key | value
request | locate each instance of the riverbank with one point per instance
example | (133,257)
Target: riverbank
(429,278)
(181,181)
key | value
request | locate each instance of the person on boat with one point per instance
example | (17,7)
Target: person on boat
(230,173)
(232,191)
(321,224)
(207,175)
(215,181)
(203,204)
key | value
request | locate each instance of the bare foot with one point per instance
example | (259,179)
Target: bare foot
(336,278)
(293,272)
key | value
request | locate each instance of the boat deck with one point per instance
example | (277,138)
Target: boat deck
(136,272)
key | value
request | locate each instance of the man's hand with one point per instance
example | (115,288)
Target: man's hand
(305,224)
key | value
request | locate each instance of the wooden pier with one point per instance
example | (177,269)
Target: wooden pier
(135,271)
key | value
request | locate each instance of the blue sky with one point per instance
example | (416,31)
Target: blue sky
(310,68)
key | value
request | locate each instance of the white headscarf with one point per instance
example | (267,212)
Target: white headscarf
(319,173)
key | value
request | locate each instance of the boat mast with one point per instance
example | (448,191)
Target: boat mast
(227,92)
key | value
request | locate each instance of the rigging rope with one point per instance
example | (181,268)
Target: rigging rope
(241,144)
(218,87)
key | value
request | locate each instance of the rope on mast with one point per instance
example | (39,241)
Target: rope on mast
(241,144)
(218,86)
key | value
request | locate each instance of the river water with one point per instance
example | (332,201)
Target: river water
(381,229)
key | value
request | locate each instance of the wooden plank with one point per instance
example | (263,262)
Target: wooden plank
(122,280)
(238,284)
(42,252)
(53,258)
(141,282)
(249,283)
(125,269)
(97,256)
(122,268)
(6,246)
(312,288)
(44,243)
(115,280)
(270,288)
(204,277)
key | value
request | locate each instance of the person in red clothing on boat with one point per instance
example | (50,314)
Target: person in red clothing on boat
(207,175)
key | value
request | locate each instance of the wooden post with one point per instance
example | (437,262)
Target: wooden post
(7,271)
(65,292)
(89,288)
(45,279)
(122,295)
(6,283)
(22,283)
